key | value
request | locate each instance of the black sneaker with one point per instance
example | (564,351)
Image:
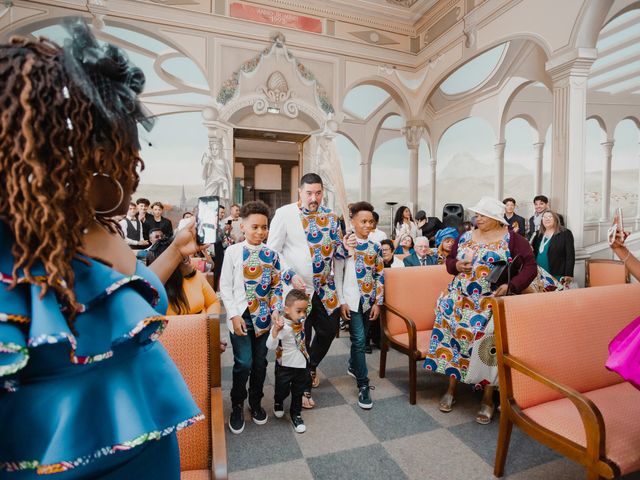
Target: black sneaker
(278,410)
(364,397)
(351,372)
(236,419)
(258,415)
(298,424)
(368,349)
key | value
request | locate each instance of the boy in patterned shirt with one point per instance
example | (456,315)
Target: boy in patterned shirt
(251,291)
(360,287)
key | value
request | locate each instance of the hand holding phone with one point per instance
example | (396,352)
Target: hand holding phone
(616,231)
(206,219)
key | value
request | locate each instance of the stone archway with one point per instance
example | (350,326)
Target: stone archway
(273,91)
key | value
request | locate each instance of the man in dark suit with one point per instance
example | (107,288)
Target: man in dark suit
(516,222)
(540,205)
(423,254)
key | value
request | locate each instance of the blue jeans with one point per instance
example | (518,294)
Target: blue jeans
(249,363)
(358,328)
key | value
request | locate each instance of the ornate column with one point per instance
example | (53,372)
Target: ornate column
(413,131)
(569,77)
(606,180)
(538,149)
(569,113)
(432,164)
(499,180)
(365,181)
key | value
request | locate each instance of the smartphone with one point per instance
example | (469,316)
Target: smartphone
(207,219)
(616,227)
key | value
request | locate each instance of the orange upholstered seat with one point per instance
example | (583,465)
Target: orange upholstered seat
(618,404)
(193,341)
(605,272)
(552,349)
(410,296)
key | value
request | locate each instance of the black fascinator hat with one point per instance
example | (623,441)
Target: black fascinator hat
(108,79)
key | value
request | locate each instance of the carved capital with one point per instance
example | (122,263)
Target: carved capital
(413,132)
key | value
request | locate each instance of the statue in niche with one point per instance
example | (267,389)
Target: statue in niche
(215,171)
(323,164)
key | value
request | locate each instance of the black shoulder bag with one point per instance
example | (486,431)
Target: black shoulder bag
(502,273)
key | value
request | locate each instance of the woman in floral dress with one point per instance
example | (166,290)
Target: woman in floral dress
(463,311)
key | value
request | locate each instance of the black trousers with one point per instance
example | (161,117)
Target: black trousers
(291,380)
(324,328)
(373,334)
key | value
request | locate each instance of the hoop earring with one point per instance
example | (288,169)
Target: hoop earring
(120,193)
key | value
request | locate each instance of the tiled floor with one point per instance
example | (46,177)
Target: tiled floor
(393,440)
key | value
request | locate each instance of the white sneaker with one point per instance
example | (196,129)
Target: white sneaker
(278,410)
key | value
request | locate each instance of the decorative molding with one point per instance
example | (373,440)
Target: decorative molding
(403,3)
(229,88)
(375,38)
(413,132)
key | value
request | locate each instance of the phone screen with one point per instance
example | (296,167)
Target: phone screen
(207,219)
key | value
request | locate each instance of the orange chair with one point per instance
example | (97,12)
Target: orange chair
(410,296)
(554,386)
(193,341)
(605,272)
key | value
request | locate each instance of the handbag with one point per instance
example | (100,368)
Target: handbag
(502,273)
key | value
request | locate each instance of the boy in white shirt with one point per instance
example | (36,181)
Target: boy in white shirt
(252,294)
(360,287)
(292,359)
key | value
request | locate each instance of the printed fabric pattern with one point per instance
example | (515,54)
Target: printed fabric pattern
(462,313)
(370,274)
(262,285)
(298,335)
(324,238)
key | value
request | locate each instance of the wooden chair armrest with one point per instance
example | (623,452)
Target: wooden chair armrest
(215,368)
(591,417)
(411,326)
(218,442)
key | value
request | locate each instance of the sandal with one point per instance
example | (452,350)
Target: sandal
(446,403)
(315,380)
(307,401)
(485,414)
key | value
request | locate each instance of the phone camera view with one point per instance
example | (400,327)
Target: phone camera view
(207,219)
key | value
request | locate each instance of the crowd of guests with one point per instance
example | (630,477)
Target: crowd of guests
(81,314)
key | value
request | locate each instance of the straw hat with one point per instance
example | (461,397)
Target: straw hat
(490,207)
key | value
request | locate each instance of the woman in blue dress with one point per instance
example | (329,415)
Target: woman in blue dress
(85,391)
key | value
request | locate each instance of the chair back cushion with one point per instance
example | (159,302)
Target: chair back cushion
(414,291)
(565,336)
(186,338)
(606,273)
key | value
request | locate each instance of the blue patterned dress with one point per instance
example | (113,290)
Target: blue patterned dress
(463,311)
(103,403)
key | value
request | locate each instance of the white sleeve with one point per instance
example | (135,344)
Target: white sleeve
(226,285)
(277,238)
(338,267)
(272,343)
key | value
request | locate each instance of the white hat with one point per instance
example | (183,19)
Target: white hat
(490,207)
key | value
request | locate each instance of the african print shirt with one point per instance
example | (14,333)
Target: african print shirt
(324,238)
(370,274)
(261,269)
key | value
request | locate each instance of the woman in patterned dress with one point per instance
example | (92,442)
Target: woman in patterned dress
(462,313)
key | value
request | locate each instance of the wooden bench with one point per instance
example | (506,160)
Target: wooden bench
(193,341)
(410,296)
(554,386)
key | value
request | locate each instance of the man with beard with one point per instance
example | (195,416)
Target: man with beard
(307,237)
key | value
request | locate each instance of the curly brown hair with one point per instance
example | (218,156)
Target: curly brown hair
(47,160)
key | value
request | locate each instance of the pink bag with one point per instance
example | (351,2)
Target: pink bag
(624,353)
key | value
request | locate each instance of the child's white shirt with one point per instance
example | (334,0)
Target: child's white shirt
(291,354)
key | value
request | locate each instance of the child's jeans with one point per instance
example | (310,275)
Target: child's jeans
(294,380)
(249,363)
(358,327)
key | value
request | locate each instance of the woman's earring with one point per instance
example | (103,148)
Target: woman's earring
(99,177)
